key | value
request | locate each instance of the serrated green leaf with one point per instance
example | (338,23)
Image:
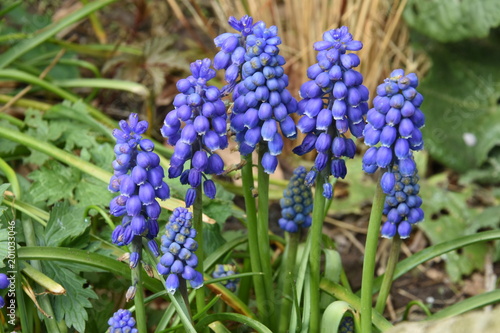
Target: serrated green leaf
(65,224)
(72,306)
(53,182)
(452,21)
(91,191)
(461,104)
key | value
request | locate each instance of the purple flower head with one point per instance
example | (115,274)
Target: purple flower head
(178,247)
(122,321)
(226,271)
(262,104)
(139,179)
(395,122)
(339,39)
(402,204)
(334,101)
(297,203)
(197,128)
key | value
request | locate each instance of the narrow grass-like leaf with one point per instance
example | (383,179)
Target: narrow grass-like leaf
(9,8)
(435,251)
(23,47)
(341,293)
(129,86)
(259,327)
(332,317)
(468,304)
(215,256)
(85,258)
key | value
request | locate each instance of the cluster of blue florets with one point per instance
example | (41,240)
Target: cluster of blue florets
(261,100)
(138,177)
(178,246)
(346,325)
(394,122)
(4,283)
(297,203)
(122,322)
(223,271)
(334,101)
(199,107)
(402,205)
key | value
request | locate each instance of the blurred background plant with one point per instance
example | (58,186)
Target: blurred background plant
(68,68)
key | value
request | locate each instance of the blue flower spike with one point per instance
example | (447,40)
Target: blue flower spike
(122,322)
(178,247)
(197,128)
(138,177)
(223,271)
(297,203)
(262,103)
(334,102)
(393,134)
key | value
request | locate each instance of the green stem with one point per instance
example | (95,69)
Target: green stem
(140,309)
(29,235)
(263,232)
(11,177)
(389,273)
(253,236)
(315,254)
(287,279)
(369,259)
(198,225)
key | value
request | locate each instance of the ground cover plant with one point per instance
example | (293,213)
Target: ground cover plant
(225,171)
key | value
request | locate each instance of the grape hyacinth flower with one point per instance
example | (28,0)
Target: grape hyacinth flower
(4,283)
(223,271)
(402,205)
(122,322)
(178,247)
(138,177)
(261,100)
(199,107)
(297,203)
(394,122)
(232,54)
(334,102)
(346,325)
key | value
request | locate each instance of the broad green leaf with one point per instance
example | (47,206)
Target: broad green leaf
(72,306)
(53,182)
(461,104)
(65,223)
(92,191)
(449,217)
(4,235)
(452,21)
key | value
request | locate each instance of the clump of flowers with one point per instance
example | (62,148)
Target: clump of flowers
(223,271)
(4,283)
(394,122)
(122,322)
(346,325)
(138,177)
(334,102)
(261,100)
(178,246)
(402,206)
(197,128)
(297,203)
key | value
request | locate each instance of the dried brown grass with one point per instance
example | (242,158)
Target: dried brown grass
(377,23)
